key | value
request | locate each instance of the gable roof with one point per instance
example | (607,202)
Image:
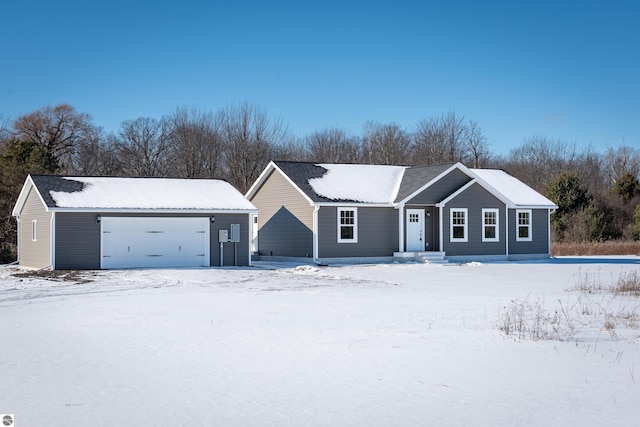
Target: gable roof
(391,185)
(517,193)
(65,193)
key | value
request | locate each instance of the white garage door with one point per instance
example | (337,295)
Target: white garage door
(154,242)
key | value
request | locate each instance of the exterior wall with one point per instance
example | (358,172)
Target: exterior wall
(475,198)
(539,243)
(78,238)
(441,189)
(377,233)
(285,219)
(34,254)
(77,243)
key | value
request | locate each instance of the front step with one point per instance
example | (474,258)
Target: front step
(425,257)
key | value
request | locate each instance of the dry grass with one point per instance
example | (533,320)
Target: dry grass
(617,247)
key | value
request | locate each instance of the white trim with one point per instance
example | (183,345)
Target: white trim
(155,211)
(457,193)
(458,166)
(355,224)
(249,234)
(357,204)
(529,225)
(452,239)
(485,225)
(263,177)
(24,193)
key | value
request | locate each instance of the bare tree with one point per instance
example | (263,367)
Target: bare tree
(196,144)
(387,144)
(333,145)
(440,140)
(249,137)
(620,161)
(291,149)
(56,130)
(476,144)
(143,147)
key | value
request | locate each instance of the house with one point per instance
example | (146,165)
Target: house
(102,223)
(359,213)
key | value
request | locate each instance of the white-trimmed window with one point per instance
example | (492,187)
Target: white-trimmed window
(347,225)
(523,225)
(459,232)
(34,230)
(490,230)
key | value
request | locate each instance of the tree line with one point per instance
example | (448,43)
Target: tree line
(598,193)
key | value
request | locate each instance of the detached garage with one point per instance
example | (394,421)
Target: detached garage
(107,223)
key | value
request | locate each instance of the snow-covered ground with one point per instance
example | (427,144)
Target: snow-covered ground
(381,345)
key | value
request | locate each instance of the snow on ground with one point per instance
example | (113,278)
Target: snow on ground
(287,345)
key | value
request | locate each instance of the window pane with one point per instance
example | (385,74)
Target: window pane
(346,232)
(489,232)
(490,218)
(458,232)
(523,232)
(346,217)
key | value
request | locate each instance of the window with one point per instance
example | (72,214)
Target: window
(458,225)
(347,225)
(34,230)
(490,225)
(414,217)
(523,225)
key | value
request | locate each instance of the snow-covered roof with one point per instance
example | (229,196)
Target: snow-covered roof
(360,183)
(62,193)
(516,191)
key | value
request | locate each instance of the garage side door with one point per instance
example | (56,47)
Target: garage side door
(129,242)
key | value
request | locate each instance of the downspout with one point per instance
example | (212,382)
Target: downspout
(506,229)
(315,234)
(18,238)
(52,234)
(401,228)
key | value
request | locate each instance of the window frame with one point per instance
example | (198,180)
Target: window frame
(354,225)
(529,226)
(496,211)
(34,230)
(465,226)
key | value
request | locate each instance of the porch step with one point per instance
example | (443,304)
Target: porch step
(426,257)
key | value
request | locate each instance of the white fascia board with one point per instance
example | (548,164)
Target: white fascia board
(263,177)
(458,165)
(456,193)
(494,192)
(158,211)
(251,192)
(24,193)
(356,204)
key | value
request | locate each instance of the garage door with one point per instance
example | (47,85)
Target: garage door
(154,242)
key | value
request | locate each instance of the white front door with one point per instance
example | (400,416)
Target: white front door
(415,230)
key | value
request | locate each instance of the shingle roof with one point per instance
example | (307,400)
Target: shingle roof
(416,177)
(48,183)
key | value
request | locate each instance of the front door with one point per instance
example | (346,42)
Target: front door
(415,230)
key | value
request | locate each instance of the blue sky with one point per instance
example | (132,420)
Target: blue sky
(566,70)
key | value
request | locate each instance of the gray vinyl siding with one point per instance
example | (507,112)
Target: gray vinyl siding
(439,190)
(34,254)
(539,243)
(78,238)
(285,219)
(475,198)
(223,222)
(377,233)
(77,243)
